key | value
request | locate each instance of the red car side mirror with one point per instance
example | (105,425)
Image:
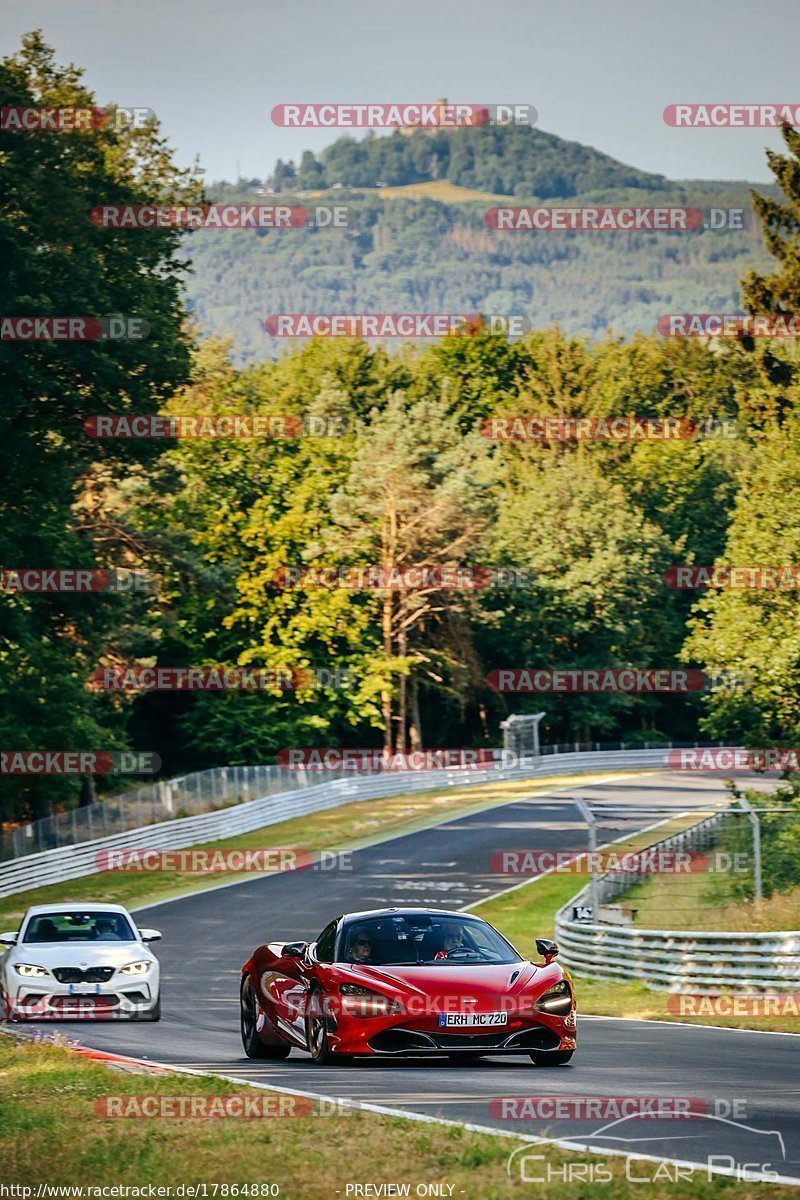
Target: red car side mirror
(547,949)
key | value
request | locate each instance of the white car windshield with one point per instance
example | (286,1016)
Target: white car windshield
(79,927)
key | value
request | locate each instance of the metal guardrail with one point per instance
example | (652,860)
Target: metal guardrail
(676,960)
(87,858)
(182,796)
(218,787)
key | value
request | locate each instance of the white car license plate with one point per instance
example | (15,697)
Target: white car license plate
(84,989)
(470,1020)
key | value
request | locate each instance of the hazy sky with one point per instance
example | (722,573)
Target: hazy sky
(597,72)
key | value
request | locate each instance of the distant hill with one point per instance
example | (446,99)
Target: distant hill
(511,160)
(419,242)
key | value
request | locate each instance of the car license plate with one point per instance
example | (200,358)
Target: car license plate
(470,1020)
(84,989)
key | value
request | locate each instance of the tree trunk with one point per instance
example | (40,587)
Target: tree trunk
(415,728)
(400,740)
(386,694)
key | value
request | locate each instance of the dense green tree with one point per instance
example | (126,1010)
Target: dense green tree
(779,291)
(753,632)
(57,263)
(418,493)
(595,599)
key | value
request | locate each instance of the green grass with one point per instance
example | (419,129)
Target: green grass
(702,901)
(52,1133)
(346,827)
(435,189)
(444,191)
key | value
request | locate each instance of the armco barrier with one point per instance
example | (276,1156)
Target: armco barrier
(74,862)
(676,960)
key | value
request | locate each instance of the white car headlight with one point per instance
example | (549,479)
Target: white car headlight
(135,968)
(29,970)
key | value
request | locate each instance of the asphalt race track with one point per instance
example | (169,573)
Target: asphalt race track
(208,936)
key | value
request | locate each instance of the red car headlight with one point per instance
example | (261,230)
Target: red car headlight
(362,1002)
(556,1000)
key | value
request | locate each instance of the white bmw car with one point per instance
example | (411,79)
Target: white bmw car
(71,961)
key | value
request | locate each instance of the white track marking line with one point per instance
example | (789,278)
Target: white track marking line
(690,1025)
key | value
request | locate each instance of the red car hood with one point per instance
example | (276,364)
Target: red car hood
(456,979)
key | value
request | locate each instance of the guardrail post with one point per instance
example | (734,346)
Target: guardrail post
(165,789)
(756,827)
(591,822)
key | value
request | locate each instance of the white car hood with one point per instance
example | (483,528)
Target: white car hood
(78,954)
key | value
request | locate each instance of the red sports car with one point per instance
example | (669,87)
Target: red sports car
(405,982)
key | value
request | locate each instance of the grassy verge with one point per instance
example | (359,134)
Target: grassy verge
(529,912)
(700,901)
(438,189)
(344,828)
(52,1134)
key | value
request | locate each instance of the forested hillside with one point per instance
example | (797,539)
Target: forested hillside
(431,250)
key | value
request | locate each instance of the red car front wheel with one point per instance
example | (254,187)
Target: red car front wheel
(317,1032)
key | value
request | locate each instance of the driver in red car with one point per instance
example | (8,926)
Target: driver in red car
(453,940)
(360,951)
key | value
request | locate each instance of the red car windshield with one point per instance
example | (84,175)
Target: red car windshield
(407,940)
